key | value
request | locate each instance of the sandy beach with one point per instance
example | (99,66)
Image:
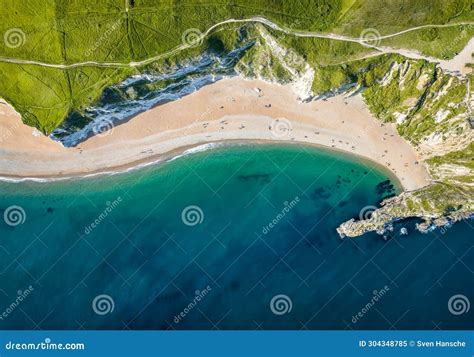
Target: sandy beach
(229,110)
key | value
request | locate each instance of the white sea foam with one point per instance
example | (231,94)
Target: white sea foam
(194,150)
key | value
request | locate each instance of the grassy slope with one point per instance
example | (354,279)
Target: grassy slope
(441,43)
(65,31)
(391,16)
(77,31)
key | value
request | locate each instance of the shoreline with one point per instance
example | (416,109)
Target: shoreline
(191,150)
(228,111)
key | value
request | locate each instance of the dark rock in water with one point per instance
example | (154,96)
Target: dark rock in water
(320,193)
(342,203)
(385,188)
(50,210)
(262,177)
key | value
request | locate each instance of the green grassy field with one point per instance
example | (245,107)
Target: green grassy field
(443,43)
(66,32)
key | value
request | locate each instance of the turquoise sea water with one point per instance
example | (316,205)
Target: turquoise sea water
(242,237)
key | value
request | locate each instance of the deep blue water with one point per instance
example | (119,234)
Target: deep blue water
(239,249)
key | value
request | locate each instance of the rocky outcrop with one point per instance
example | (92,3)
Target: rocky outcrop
(432,110)
(437,205)
(270,61)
